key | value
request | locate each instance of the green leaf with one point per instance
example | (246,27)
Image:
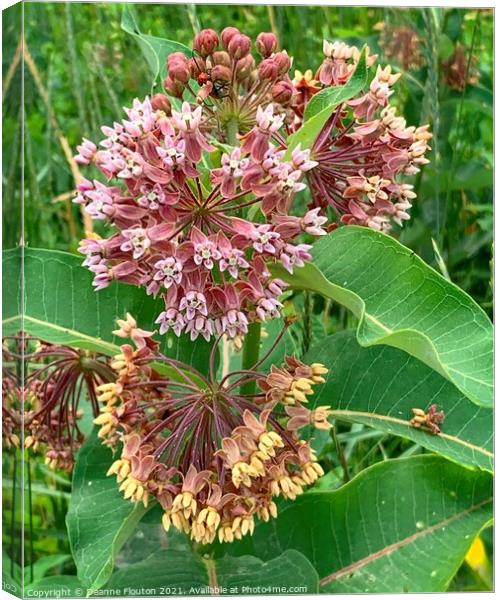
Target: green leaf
(402,525)
(12,573)
(322,105)
(56,586)
(181,571)
(330,97)
(402,302)
(155,49)
(288,345)
(61,306)
(43,565)
(379,386)
(99,520)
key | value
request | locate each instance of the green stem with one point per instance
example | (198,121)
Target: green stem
(251,347)
(340,452)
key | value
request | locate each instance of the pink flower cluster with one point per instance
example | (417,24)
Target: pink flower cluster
(180,231)
(364,149)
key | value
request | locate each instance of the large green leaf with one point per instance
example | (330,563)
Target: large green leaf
(154,49)
(55,586)
(99,520)
(61,306)
(322,105)
(403,525)
(181,571)
(379,386)
(401,301)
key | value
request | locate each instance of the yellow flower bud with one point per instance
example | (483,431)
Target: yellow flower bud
(303,385)
(166,521)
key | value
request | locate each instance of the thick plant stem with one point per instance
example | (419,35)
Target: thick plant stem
(251,347)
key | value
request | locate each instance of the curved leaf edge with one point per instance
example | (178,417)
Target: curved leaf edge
(357,306)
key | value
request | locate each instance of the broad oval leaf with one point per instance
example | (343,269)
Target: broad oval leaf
(154,49)
(184,572)
(322,105)
(55,586)
(379,386)
(61,306)
(402,525)
(402,302)
(99,520)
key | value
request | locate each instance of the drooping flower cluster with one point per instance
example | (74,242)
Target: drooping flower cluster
(45,398)
(215,458)
(188,243)
(402,44)
(365,149)
(459,71)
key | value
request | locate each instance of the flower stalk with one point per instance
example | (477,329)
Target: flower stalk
(251,347)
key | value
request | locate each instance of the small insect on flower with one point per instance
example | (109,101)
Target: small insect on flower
(429,421)
(217,78)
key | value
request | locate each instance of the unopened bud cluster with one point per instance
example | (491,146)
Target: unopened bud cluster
(229,82)
(430,420)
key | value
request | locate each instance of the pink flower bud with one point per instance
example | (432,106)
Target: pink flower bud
(178,67)
(239,46)
(221,73)
(282,91)
(244,67)
(227,35)
(174,88)
(282,61)
(268,69)
(221,58)
(197,66)
(266,44)
(205,42)
(161,102)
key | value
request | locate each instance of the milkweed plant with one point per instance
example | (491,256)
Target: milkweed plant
(244,185)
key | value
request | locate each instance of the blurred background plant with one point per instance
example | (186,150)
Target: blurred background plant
(81,67)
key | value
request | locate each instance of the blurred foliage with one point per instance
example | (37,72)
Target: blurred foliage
(88,68)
